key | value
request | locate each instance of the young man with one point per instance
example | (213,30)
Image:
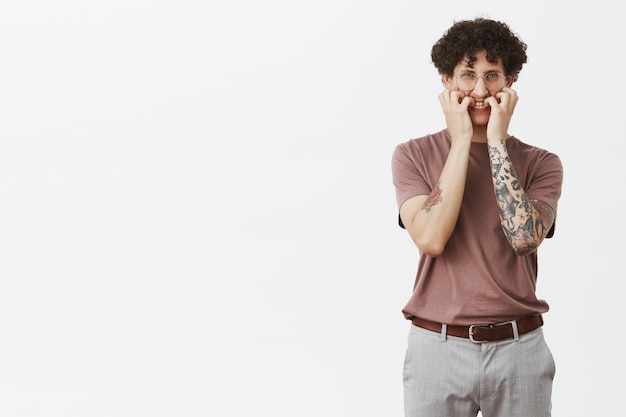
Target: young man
(477,202)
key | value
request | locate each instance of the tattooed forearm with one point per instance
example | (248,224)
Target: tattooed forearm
(433,199)
(524,222)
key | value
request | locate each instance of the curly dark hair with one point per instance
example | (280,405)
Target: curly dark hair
(467,37)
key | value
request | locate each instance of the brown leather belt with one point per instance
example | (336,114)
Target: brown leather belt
(480,333)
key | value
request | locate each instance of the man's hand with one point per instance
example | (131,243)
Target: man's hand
(502,105)
(454,104)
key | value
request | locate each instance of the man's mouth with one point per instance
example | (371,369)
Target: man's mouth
(479,105)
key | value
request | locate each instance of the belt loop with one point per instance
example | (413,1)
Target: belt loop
(515,330)
(444,332)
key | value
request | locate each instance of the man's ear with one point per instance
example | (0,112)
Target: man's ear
(510,80)
(446,80)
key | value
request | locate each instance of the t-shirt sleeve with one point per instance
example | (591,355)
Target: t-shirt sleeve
(546,183)
(408,174)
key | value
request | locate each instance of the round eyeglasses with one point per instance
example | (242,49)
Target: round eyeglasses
(494,81)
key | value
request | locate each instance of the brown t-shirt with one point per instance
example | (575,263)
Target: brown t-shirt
(479,278)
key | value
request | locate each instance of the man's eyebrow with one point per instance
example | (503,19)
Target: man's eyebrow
(467,68)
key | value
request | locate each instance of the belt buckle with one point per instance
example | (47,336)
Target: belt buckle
(471,332)
(486,326)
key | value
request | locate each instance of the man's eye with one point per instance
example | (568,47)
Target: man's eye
(492,76)
(468,76)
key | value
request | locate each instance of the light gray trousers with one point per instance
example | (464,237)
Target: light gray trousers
(446,376)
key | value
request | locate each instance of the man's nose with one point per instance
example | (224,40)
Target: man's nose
(480,89)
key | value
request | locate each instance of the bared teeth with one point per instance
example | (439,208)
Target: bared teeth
(479,105)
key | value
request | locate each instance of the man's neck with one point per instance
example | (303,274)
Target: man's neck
(480,134)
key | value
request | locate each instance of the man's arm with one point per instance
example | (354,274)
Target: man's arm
(525,222)
(430,219)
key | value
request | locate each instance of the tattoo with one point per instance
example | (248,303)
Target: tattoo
(496,161)
(545,219)
(506,203)
(524,222)
(523,239)
(433,199)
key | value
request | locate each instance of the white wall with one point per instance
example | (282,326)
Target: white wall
(196,209)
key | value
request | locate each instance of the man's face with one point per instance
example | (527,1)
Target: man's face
(481,80)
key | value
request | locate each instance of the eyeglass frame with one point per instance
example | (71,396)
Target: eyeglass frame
(505,77)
